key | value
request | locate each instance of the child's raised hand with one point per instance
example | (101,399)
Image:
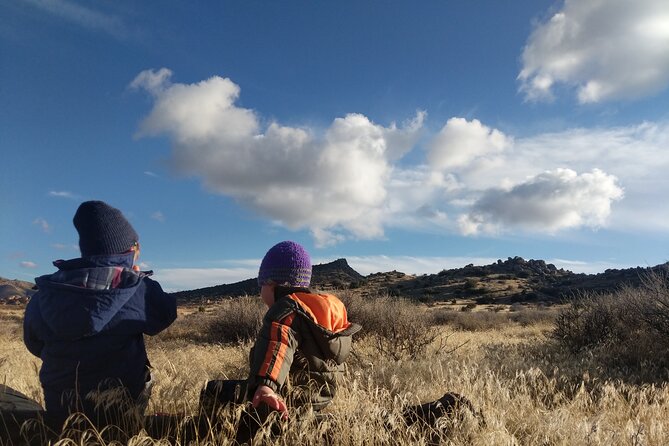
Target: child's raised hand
(266,395)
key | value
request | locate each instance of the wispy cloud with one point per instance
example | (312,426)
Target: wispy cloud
(42,224)
(594,267)
(411,264)
(158,216)
(65,247)
(148,173)
(605,49)
(84,16)
(63,194)
(27,264)
(178,279)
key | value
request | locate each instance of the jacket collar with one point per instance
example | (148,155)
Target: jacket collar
(124,260)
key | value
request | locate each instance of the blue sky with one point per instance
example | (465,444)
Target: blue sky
(414,136)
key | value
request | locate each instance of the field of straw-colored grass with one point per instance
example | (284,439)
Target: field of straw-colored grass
(529,390)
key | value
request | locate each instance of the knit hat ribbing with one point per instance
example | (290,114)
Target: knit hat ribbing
(102,229)
(286,262)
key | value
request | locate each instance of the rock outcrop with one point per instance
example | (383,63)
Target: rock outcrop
(15,292)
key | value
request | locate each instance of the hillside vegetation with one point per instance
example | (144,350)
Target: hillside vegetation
(514,280)
(578,374)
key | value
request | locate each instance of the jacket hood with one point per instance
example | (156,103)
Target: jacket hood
(85,294)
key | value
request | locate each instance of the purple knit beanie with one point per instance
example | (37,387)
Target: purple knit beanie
(286,262)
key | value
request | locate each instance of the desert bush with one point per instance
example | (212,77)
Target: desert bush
(11,325)
(593,319)
(234,320)
(471,284)
(400,328)
(469,321)
(532,316)
(238,320)
(651,302)
(357,284)
(490,320)
(627,328)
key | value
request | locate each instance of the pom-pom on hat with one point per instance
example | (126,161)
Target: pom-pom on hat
(102,229)
(286,263)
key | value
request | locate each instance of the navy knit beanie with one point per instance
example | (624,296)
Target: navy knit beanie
(286,263)
(103,229)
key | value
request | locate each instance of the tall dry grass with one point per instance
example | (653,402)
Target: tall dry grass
(531,389)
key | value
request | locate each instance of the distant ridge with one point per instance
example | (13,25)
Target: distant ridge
(336,274)
(505,281)
(514,280)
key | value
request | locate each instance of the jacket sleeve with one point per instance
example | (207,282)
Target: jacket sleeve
(161,308)
(30,336)
(274,349)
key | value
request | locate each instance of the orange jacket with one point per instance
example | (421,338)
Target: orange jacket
(306,336)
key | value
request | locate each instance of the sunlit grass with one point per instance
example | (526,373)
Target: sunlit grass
(529,389)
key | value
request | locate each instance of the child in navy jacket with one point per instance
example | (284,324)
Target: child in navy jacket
(87,321)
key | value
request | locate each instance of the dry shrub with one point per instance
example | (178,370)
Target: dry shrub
(651,302)
(470,321)
(490,320)
(11,325)
(234,320)
(400,328)
(593,320)
(237,320)
(533,316)
(626,329)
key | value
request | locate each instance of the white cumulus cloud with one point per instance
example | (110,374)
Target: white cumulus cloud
(548,202)
(333,184)
(460,142)
(28,264)
(606,49)
(352,179)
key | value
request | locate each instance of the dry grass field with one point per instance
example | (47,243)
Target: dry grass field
(530,389)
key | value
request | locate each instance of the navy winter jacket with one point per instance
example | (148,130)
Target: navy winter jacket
(87,323)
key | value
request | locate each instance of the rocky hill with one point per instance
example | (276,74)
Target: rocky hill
(15,292)
(509,281)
